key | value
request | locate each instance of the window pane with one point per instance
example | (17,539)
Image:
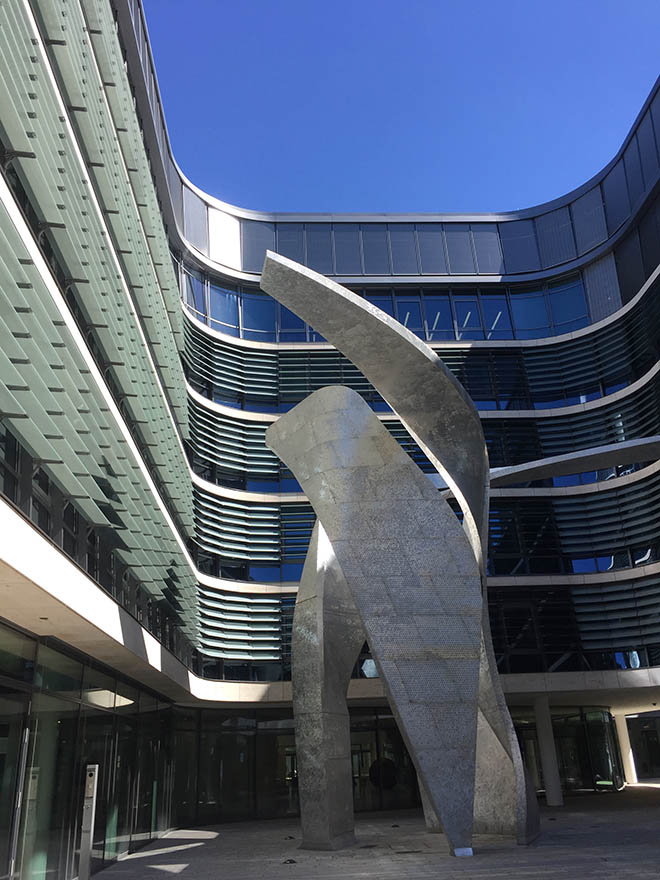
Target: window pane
(289,321)
(555,236)
(16,654)
(257,238)
(196,226)
(193,291)
(258,317)
(382,301)
(347,249)
(459,248)
(290,241)
(468,320)
(487,248)
(374,246)
(404,251)
(431,248)
(497,323)
(530,315)
(439,320)
(224,309)
(567,303)
(519,246)
(409,312)
(615,195)
(292,328)
(319,247)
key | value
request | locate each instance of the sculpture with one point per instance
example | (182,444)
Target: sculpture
(441,417)
(414,580)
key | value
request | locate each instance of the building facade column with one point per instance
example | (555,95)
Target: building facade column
(548,752)
(627,757)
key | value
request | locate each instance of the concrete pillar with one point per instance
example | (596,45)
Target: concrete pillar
(547,752)
(629,769)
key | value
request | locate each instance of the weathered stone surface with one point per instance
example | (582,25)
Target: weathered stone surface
(439,414)
(326,639)
(428,657)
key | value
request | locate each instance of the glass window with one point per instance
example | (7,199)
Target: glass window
(633,168)
(256,239)
(409,313)
(487,248)
(647,150)
(98,688)
(193,291)
(568,306)
(459,248)
(468,320)
(497,323)
(224,309)
(589,220)
(195,220)
(347,249)
(519,246)
(290,241)
(374,247)
(57,672)
(555,236)
(259,315)
(292,328)
(382,301)
(439,322)
(319,247)
(431,248)
(16,654)
(615,196)
(404,249)
(530,315)
(583,566)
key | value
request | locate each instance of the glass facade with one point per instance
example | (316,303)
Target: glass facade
(433,314)
(587,748)
(162,766)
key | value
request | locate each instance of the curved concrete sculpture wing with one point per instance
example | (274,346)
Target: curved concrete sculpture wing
(432,404)
(414,579)
(326,639)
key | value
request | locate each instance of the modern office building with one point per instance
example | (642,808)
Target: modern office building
(150,543)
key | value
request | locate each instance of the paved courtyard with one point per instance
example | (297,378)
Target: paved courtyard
(597,835)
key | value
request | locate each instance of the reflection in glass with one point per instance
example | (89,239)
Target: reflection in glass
(439,321)
(530,315)
(347,249)
(404,251)
(468,320)
(13,705)
(409,313)
(319,247)
(431,248)
(374,248)
(290,241)
(497,323)
(193,291)
(568,306)
(223,304)
(258,319)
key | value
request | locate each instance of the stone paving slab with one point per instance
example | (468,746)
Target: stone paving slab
(603,836)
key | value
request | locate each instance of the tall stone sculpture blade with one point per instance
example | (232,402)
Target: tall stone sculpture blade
(414,579)
(440,416)
(326,640)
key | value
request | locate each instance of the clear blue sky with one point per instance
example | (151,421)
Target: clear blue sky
(400,105)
